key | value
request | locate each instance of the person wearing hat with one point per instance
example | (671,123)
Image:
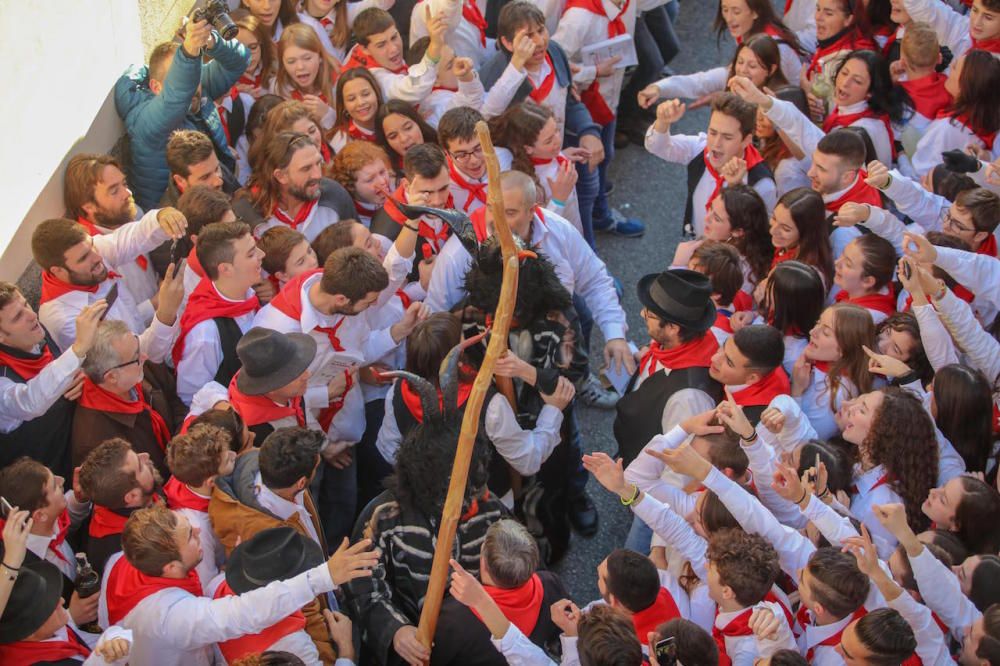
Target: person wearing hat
(278,553)
(153,590)
(268,488)
(35,627)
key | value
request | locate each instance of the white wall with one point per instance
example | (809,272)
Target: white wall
(61,61)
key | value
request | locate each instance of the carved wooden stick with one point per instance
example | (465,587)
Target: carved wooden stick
(470,422)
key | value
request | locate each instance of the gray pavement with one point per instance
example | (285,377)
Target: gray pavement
(654,191)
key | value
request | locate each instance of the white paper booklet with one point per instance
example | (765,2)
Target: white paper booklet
(622,45)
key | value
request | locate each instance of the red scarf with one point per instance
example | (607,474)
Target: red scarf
(520,605)
(742,301)
(255,80)
(958,290)
(62,527)
(325,152)
(784,255)
(92,229)
(990,45)
(325,416)
(48,651)
(289,300)
(179,496)
(884,303)
(364,210)
(541,93)
(963,120)
(600,112)
(27,366)
(359,133)
(96,398)
(412,400)
(250,644)
(762,392)
(738,626)
(750,155)
(206,303)
(471,13)
(477,191)
(304,212)
(849,40)
(299,96)
(722,320)
(988,246)
(694,354)
(53,287)
(194,264)
(834,639)
(224,112)
(435,239)
(258,409)
(928,94)
(127,586)
(358,57)
(838,119)
(105,522)
(648,619)
(859,192)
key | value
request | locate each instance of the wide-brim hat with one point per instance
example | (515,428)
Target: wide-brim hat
(36,593)
(271,359)
(278,553)
(679,296)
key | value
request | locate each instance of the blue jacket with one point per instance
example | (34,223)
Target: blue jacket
(149,119)
(578,120)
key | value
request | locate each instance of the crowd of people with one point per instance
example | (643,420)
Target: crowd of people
(228,427)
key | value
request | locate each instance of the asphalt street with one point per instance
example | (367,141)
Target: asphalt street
(654,191)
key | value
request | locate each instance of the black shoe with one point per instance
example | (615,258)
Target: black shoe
(583,515)
(621,140)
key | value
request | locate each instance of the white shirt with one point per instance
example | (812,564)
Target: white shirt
(213,554)
(876,131)
(412,86)
(463,37)
(441,100)
(951,27)
(203,352)
(142,283)
(570,208)
(284,509)
(815,402)
(463,197)
(27,401)
(173,628)
(501,95)
(319,218)
(941,135)
(872,490)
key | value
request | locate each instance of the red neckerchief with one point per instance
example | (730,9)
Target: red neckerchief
(358,57)
(251,644)
(53,287)
(324,150)
(27,366)
(412,400)
(96,398)
(471,13)
(560,159)
(288,301)
(304,212)
(859,192)
(738,626)
(258,409)
(127,586)
(990,45)
(325,416)
(62,527)
(205,303)
(194,264)
(600,112)
(435,239)
(787,254)
(788,5)
(891,39)
(834,639)
(541,93)
(520,605)
(300,96)
(928,94)
(254,80)
(750,155)
(762,392)
(838,119)
(179,496)
(105,522)
(224,112)
(850,39)
(988,246)
(663,609)
(404,298)
(359,133)
(884,303)
(477,191)
(742,301)
(881,481)
(365,210)
(770,30)
(962,119)
(958,290)
(722,320)
(44,652)
(92,229)
(694,354)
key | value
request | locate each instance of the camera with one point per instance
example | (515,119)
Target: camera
(216,12)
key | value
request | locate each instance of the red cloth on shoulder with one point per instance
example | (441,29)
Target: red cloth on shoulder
(127,586)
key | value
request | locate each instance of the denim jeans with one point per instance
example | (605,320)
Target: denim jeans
(640,536)
(591,186)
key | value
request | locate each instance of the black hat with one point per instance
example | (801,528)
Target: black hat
(274,554)
(36,594)
(271,359)
(679,296)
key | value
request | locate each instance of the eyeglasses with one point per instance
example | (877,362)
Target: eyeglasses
(949,221)
(136,360)
(463,155)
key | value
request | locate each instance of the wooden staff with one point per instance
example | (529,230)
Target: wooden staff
(470,422)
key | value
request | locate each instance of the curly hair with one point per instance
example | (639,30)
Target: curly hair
(424,461)
(517,128)
(747,213)
(746,563)
(902,440)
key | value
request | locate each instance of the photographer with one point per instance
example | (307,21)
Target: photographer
(174,92)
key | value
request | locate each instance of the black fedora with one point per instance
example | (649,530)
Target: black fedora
(679,296)
(271,359)
(274,554)
(36,593)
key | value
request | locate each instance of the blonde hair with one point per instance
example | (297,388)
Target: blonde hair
(304,37)
(920,45)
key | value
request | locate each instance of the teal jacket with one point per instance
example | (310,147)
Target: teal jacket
(150,119)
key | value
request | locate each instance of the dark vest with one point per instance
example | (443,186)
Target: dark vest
(499,481)
(640,412)
(696,169)
(45,438)
(237,121)
(229,335)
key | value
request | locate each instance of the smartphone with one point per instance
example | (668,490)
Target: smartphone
(907,271)
(5,508)
(176,252)
(665,651)
(110,298)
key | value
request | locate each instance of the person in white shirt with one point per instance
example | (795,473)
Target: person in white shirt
(466,164)
(960,32)
(466,32)
(76,272)
(277,15)
(172,623)
(457,84)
